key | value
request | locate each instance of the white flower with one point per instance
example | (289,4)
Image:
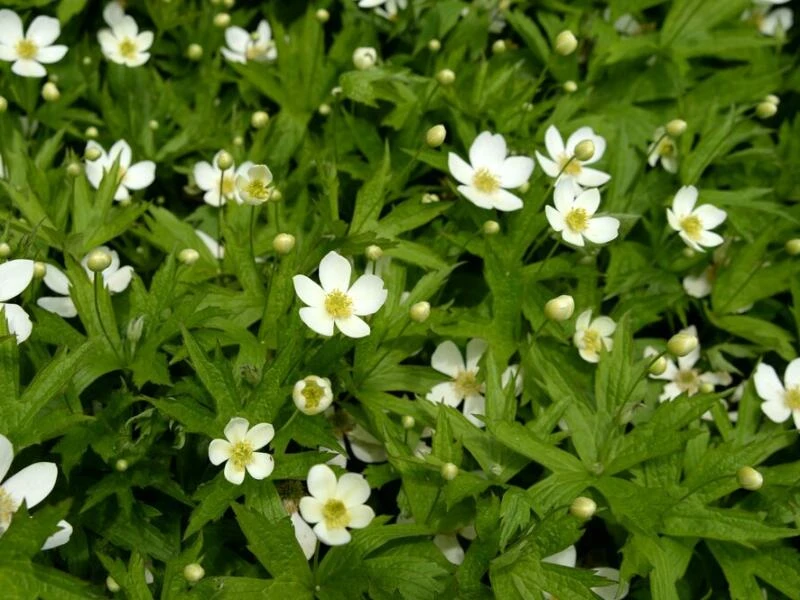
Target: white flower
(770,22)
(683,377)
(116,279)
(29,50)
(591,336)
(450,546)
(219,186)
(388,9)
(694,224)
(243,46)
(254,184)
(569,558)
(700,286)
(335,301)
(559,164)
(663,149)
(464,385)
(573,215)
(15,276)
(122,43)
(312,395)
(780,400)
(113,13)
(333,505)
(131,177)
(485,181)
(238,450)
(31,485)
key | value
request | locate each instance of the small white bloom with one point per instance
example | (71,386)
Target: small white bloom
(122,42)
(562,163)
(257,46)
(591,336)
(312,395)
(770,22)
(27,51)
(781,401)
(700,286)
(334,506)
(15,276)
(238,450)
(30,485)
(663,149)
(490,173)
(364,58)
(694,225)
(447,359)
(131,177)
(254,184)
(336,301)
(219,185)
(573,215)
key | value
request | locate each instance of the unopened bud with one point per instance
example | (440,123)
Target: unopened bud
(435,136)
(74,169)
(152,124)
(5,250)
(98,260)
(194,52)
(135,329)
(446,76)
(434,45)
(793,247)
(584,150)
(373,252)
(323,16)
(365,58)
(566,43)
(238,141)
(92,153)
(39,269)
(449,471)
(749,478)
(658,366)
(676,127)
(3,104)
(559,308)
(275,195)
(228,3)
(583,508)
(222,20)
(570,86)
(283,243)
(188,256)
(682,344)
(772,98)
(765,110)
(420,311)
(112,585)
(408,422)
(259,119)
(312,395)
(193,572)
(523,189)
(121,465)
(688,252)
(50,92)
(499,47)
(706,388)
(430,198)
(324,109)
(91,132)
(491,227)
(224,160)
(86,61)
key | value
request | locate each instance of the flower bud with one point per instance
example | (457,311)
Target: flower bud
(706,388)
(373,252)
(224,160)
(446,76)
(312,395)
(749,478)
(112,585)
(74,169)
(793,247)
(92,153)
(676,127)
(91,132)
(98,260)
(765,110)
(193,572)
(188,256)
(491,227)
(449,471)
(523,189)
(259,119)
(566,43)
(135,329)
(238,141)
(39,269)
(5,250)
(434,45)
(121,465)
(583,508)
(420,311)
(429,198)
(499,47)
(283,243)
(3,104)
(152,124)
(772,98)
(365,58)
(688,252)
(336,90)
(324,109)
(682,344)
(222,20)
(584,150)
(408,422)
(570,86)
(86,61)
(194,52)
(228,3)
(322,15)
(435,136)
(559,308)
(658,366)
(275,195)
(50,92)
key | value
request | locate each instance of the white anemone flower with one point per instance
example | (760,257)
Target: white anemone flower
(131,177)
(684,377)
(781,401)
(312,395)
(334,506)
(663,149)
(238,450)
(562,163)
(490,173)
(122,42)
(573,215)
(593,335)
(694,225)
(243,47)
(336,302)
(464,385)
(770,22)
(254,184)
(30,485)
(219,186)
(613,591)
(30,50)
(15,276)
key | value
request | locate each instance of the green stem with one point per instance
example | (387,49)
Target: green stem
(98,286)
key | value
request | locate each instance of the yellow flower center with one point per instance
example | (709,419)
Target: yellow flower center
(577,219)
(7,509)
(257,50)
(692,227)
(228,185)
(27,49)
(570,167)
(258,189)
(128,48)
(666,148)
(241,454)
(592,341)
(338,305)
(466,383)
(485,181)
(792,397)
(688,381)
(313,393)
(335,514)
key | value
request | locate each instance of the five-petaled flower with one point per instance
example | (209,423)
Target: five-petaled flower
(694,225)
(464,385)
(573,215)
(15,276)
(28,51)
(562,162)
(335,301)
(257,46)
(122,42)
(219,185)
(781,401)
(254,184)
(334,506)
(131,177)
(490,173)
(238,450)
(663,149)
(592,336)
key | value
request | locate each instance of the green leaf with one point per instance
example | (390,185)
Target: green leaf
(217,381)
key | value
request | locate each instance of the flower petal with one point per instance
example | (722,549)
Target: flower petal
(18,321)
(475,349)
(554,144)
(684,201)
(32,484)
(550,167)
(10,27)
(44,30)
(51,54)
(236,429)
(219,451)
(237,39)
(205,176)
(564,195)
(448,544)
(591,178)
(308,290)
(474,404)
(118,282)
(588,200)
(488,151)
(572,237)
(311,509)
(140,175)
(709,239)
(261,465)
(304,535)
(360,516)
(353,327)
(234,474)
(776,411)
(459,168)
(791,378)
(605,326)
(321,482)
(555,218)
(6,455)
(602,230)
(768,385)
(334,272)
(515,171)
(367,294)
(317,319)
(28,68)
(479,199)
(447,359)
(63,306)
(56,280)
(260,435)
(15,276)
(506,201)
(60,537)
(710,216)
(566,558)
(444,392)
(352,489)
(332,537)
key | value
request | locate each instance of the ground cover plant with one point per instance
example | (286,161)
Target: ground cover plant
(399,299)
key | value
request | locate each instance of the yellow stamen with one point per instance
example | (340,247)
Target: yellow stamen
(692,227)
(485,181)
(688,381)
(792,397)
(128,48)
(228,185)
(335,514)
(258,189)
(570,167)
(7,509)
(338,305)
(666,148)
(577,219)
(27,49)
(242,454)
(466,383)
(313,393)
(592,341)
